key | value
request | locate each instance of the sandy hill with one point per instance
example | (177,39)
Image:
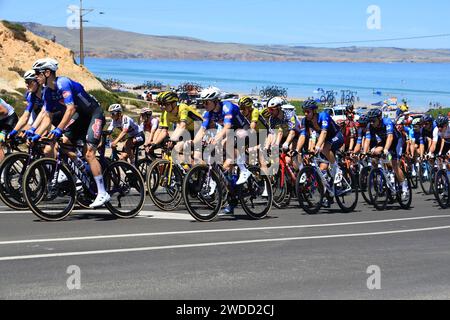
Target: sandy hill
(20,48)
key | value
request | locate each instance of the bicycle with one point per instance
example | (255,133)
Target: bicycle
(56,178)
(164,181)
(206,189)
(283,185)
(313,186)
(384,186)
(12,169)
(442,185)
(427,172)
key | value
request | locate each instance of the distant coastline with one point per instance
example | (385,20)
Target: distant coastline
(118,44)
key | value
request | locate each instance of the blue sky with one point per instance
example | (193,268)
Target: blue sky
(255,21)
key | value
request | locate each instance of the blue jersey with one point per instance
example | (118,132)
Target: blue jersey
(68,92)
(34,103)
(229,115)
(386,129)
(326,123)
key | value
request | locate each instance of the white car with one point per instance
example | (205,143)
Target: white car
(337,113)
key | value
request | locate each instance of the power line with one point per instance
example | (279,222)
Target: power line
(374,40)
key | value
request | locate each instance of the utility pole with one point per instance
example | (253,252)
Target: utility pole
(81,34)
(83,12)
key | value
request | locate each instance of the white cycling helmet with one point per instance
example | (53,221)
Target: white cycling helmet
(46,64)
(275,102)
(211,93)
(115,108)
(30,75)
(416,121)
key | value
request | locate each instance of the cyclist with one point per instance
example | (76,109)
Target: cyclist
(390,143)
(227,115)
(178,117)
(34,103)
(442,123)
(330,138)
(8,119)
(284,126)
(429,136)
(136,137)
(257,123)
(361,126)
(148,124)
(349,129)
(82,119)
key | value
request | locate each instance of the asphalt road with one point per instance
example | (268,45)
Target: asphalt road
(290,255)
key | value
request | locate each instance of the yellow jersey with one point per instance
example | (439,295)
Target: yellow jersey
(187,114)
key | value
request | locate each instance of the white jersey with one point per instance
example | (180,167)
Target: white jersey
(126,124)
(8,108)
(445,134)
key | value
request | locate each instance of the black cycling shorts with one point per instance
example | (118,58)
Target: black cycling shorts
(8,124)
(86,128)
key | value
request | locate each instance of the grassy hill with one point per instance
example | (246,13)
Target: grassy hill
(111,43)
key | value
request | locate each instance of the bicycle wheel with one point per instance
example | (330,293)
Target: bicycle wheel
(378,190)
(346,192)
(310,190)
(405,202)
(364,184)
(203,193)
(425,174)
(256,195)
(442,189)
(12,170)
(142,166)
(59,197)
(126,187)
(280,190)
(164,184)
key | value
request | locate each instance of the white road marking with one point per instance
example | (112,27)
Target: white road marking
(117,236)
(211,244)
(143,214)
(165,215)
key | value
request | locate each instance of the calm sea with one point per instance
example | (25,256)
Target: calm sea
(419,83)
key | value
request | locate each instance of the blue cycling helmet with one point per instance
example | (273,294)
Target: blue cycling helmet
(375,114)
(442,121)
(427,118)
(310,105)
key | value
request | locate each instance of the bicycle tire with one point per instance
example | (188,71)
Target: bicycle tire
(442,189)
(253,188)
(195,193)
(364,184)
(425,174)
(404,204)
(46,168)
(309,180)
(12,197)
(156,172)
(349,180)
(378,188)
(123,179)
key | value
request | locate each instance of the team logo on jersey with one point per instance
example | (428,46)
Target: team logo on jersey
(97,128)
(325,123)
(66,94)
(229,117)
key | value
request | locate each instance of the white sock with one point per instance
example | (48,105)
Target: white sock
(241,163)
(100,184)
(405,185)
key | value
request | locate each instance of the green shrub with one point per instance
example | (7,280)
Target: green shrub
(126,95)
(105,98)
(35,46)
(20,71)
(17,29)
(17,101)
(436,112)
